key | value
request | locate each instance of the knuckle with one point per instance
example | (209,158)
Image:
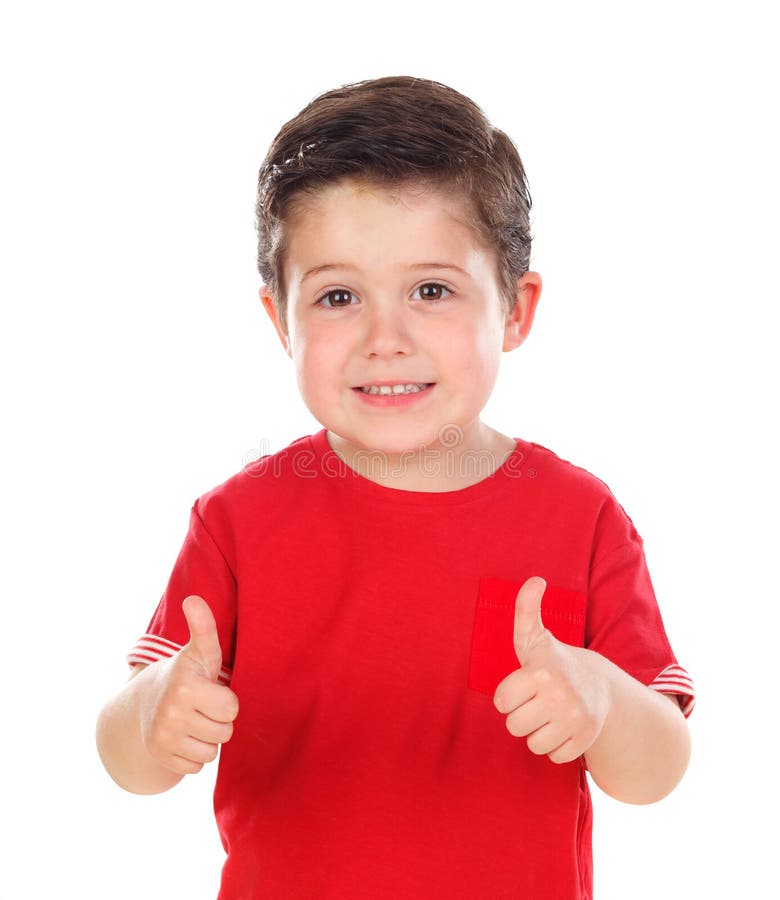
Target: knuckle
(543,678)
(513,726)
(590,734)
(534,745)
(159,748)
(157,738)
(577,718)
(185,766)
(165,728)
(570,751)
(180,693)
(210,753)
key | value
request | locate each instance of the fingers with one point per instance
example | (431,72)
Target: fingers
(528,626)
(187,714)
(550,741)
(202,745)
(527,719)
(193,755)
(199,709)
(556,699)
(186,734)
(187,692)
(215,701)
(184,766)
(552,728)
(544,737)
(515,690)
(203,646)
(211,733)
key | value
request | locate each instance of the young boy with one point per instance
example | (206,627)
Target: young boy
(410,635)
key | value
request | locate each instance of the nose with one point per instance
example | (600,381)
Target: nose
(387,332)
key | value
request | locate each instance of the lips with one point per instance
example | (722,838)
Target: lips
(386,389)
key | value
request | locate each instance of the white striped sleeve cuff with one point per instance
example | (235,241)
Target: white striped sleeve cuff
(151,648)
(675,680)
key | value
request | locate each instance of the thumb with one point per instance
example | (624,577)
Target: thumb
(528,616)
(203,645)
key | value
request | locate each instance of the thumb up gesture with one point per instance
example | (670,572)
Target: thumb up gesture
(559,697)
(188,714)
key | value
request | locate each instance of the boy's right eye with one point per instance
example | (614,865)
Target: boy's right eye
(336,298)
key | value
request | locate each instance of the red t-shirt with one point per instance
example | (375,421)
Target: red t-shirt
(364,630)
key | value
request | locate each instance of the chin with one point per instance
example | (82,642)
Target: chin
(390,442)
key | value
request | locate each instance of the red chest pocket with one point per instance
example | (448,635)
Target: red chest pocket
(492,650)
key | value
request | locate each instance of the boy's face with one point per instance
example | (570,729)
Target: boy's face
(394,288)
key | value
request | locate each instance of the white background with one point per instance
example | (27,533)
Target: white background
(138,369)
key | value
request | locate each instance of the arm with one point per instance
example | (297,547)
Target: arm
(172,715)
(644,746)
(568,701)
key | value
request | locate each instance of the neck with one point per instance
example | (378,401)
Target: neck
(431,469)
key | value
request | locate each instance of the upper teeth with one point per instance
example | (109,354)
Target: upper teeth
(393,388)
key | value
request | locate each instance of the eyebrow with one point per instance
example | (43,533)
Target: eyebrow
(310,273)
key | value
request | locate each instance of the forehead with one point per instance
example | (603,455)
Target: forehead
(380,224)
(355,192)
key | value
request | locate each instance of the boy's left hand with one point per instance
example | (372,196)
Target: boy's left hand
(560,697)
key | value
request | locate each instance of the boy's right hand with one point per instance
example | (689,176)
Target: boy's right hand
(186,714)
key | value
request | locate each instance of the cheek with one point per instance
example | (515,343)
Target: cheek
(315,363)
(478,354)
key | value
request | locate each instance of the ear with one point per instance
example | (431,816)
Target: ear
(270,308)
(519,321)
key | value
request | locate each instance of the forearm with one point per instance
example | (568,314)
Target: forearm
(643,749)
(120,742)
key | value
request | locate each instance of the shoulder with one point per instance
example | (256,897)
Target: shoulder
(254,488)
(559,474)
(576,493)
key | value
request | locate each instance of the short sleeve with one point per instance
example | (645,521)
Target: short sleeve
(623,619)
(201,568)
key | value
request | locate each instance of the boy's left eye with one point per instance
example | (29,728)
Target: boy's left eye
(434,291)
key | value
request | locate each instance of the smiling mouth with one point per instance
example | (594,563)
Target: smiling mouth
(388,389)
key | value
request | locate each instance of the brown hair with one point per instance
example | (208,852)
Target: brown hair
(391,132)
